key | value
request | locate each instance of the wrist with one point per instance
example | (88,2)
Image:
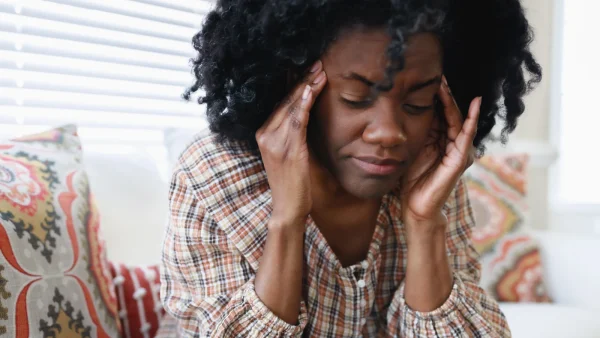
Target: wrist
(427,236)
(434,226)
(287,226)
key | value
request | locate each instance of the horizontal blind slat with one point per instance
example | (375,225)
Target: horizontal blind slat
(89,51)
(15,23)
(116,119)
(71,100)
(199,6)
(136,9)
(101,135)
(117,22)
(82,84)
(100,69)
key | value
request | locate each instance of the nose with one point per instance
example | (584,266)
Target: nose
(385,129)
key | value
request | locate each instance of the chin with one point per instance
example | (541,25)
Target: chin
(367,188)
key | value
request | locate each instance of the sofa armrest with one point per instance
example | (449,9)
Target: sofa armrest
(571,268)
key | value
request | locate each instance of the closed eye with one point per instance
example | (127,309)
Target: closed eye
(357,104)
(416,109)
(419,109)
(411,108)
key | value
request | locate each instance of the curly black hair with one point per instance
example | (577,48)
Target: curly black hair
(246,50)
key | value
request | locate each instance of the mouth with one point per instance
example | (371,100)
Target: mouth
(378,166)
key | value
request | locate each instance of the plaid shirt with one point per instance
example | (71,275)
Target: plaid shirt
(220,204)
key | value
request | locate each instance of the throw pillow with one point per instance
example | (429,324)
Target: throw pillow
(138,294)
(129,189)
(54,277)
(510,259)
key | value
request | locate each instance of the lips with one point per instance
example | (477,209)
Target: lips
(378,166)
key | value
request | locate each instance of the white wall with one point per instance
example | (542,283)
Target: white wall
(541,122)
(535,122)
(534,125)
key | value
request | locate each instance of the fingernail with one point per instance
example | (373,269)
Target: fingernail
(480,99)
(445,81)
(306,92)
(315,66)
(319,78)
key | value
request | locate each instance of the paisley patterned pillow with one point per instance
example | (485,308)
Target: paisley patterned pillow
(54,277)
(510,259)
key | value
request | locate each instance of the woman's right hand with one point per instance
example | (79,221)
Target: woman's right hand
(282,144)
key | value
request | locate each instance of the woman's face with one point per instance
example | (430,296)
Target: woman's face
(368,142)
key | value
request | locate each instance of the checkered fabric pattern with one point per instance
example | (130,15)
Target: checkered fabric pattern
(220,204)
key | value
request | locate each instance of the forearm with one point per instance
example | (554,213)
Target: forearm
(278,281)
(429,276)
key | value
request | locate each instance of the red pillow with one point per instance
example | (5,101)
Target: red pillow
(138,295)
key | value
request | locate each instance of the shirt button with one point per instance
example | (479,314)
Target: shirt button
(363,321)
(361,283)
(363,303)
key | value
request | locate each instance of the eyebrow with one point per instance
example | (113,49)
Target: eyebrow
(413,88)
(424,84)
(354,76)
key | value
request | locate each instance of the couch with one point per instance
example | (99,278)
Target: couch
(571,273)
(130,190)
(573,281)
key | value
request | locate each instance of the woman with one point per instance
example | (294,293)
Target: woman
(327,201)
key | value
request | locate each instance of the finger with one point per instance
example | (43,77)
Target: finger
(471,157)
(283,108)
(464,141)
(299,111)
(451,111)
(297,118)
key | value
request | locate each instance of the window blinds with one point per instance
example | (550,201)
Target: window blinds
(118,67)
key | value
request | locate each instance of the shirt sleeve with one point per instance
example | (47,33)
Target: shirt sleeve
(469,311)
(206,283)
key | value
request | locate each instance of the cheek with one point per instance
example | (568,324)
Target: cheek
(334,120)
(418,131)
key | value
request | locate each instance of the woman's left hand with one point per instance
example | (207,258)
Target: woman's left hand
(436,170)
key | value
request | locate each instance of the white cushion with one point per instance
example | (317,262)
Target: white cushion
(551,321)
(177,140)
(132,199)
(571,271)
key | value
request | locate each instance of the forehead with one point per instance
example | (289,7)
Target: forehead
(364,51)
